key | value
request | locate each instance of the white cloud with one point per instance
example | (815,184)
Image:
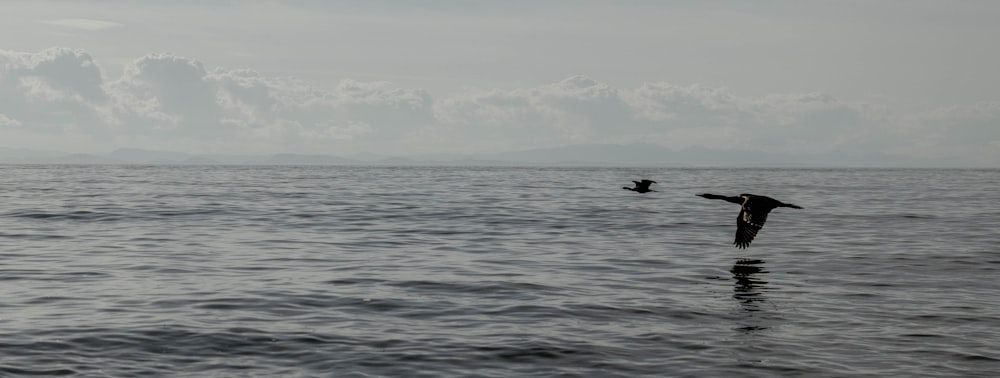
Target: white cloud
(169,95)
(83,23)
(55,89)
(6,121)
(582,110)
(173,100)
(933,51)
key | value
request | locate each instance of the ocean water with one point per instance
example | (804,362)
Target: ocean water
(235,271)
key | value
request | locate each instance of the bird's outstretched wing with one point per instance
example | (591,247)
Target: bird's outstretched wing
(734,199)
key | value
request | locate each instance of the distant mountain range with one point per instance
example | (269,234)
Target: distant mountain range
(641,155)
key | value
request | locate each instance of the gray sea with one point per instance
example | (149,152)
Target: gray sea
(237,271)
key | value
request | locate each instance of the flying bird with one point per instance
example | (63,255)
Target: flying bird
(641,186)
(753,214)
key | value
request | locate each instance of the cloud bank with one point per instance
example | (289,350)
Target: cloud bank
(164,100)
(83,23)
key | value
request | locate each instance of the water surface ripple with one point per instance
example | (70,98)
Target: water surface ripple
(495,272)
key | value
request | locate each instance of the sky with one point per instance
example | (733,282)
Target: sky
(908,78)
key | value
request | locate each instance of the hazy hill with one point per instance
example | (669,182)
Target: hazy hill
(296,159)
(135,155)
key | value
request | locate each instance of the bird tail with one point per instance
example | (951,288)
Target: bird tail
(791,206)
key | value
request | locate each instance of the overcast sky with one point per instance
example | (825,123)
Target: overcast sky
(909,78)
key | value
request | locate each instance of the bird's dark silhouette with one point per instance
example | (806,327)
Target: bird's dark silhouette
(641,186)
(753,214)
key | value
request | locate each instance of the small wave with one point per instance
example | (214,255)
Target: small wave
(975,357)
(528,353)
(190,212)
(34,236)
(37,372)
(884,217)
(355,281)
(498,288)
(915,216)
(49,276)
(78,215)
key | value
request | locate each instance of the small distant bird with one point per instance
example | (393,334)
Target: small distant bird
(641,186)
(753,214)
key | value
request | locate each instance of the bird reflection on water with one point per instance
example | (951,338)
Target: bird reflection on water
(749,288)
